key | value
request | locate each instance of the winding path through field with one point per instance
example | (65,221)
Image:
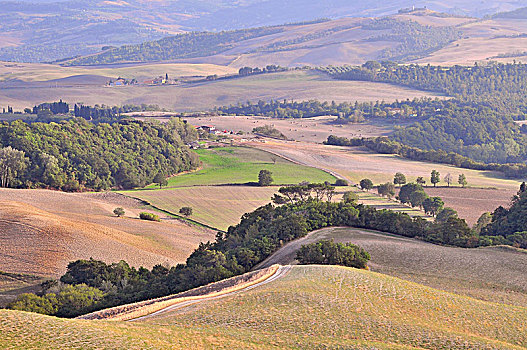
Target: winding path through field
(280,272)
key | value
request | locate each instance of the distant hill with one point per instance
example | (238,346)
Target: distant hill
(520,13)
(34,31)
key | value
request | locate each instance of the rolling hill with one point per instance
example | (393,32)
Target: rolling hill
(32,31)
(310,307)
(54,228)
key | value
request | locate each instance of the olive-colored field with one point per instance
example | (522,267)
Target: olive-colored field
(216,206)
(298,85)
(12,285)
(496,274)
(241,165)
(42,231)
(356,163)
(311,307)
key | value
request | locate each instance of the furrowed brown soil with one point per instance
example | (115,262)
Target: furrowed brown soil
(496,274)
(470,203)
(41,231)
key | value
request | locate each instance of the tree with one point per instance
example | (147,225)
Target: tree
(405,193)
(119,212)
(265,178)
(329,253)
(12,164)
(350,197)
(433,205)
(160,179)
(421,181)
(387,189)
(187,211)
(434,177)
(462,180)
(484,220)
(399,179)
(417,198)
(445,214)
(448,179)
(366,184)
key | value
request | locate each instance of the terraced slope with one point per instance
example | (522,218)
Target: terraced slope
(311,307)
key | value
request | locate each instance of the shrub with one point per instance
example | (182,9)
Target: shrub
(341,182)
(265,178)
(187,211)
(149,216)
(327,252)
(366,184)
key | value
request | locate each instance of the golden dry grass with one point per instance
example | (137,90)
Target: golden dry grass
(44,230)
(216,206)
(311,307)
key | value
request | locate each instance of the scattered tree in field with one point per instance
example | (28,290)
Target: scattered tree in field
(421,181)
(321,190)
(445,214)
(448,179)
(433,205)
(160,179)
(119,212)
(327,252)
(350,197)
(462,180)
(12,163)
(387,189)
(149,216)
(405,193)
(187,211)
(399,179)
(366,184)
(434,177)
(265,178)
(417,198)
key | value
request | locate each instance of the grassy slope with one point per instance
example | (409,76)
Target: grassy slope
(12,285)
(240,165)
(312,306)
(457,270)
(222,206)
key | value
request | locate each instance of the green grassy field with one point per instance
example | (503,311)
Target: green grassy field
(313,307)
(241,165)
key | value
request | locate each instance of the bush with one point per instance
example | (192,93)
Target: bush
(329,253)
(265,178)
(149,216)
(341,182)
(366,184)
(187,211)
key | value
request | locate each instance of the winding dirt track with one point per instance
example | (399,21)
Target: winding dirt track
(280,272)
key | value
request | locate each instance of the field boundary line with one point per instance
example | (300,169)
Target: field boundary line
(147,308)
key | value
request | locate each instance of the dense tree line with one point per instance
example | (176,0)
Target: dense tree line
(387,146)
(186,45)
(415,40)
(75,154)
(270,131)
(54,107)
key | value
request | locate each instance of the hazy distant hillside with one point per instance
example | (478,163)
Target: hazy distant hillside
(35,31)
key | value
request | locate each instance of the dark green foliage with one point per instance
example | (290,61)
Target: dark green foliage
(446,213)
(433,205)
(327,252)
(160,179)
(462,180)
(350,197)
(341,182)
(75,154)
(270,131)
(387,189)
(54,107)
(265,178)
(366,184)
(434,177)
(399,179)
(119,212)
(406,191)
(187,211)
(511,223)
(149,216)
